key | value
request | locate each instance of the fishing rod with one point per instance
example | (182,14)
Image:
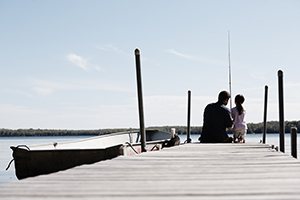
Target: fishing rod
(229,68)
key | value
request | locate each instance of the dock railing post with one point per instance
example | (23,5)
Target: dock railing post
(281,111)
(265,115)
(189,140)
(294,142)
(140,99)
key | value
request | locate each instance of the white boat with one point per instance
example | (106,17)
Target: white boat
(44,159)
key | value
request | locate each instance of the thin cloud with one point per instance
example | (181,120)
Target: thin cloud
(46,88)
(295,85)
(194,58)
(111,48)
(181,55)
(82,62)
(78,61)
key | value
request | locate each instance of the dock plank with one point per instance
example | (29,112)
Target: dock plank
(190,171)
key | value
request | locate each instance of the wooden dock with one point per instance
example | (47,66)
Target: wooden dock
(189,171)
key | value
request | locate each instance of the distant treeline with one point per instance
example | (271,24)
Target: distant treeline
(56,132)
(272,127)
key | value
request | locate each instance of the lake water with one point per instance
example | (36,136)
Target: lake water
(6,152)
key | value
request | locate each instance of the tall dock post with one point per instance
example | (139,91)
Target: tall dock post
(140,99)
(281,111)
(189,140)
(294,142)
(265,115)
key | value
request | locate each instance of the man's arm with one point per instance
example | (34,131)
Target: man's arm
(228,119)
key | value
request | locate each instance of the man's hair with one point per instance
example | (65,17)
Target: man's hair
(224,95)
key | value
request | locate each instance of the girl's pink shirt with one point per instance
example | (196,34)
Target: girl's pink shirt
(238,120)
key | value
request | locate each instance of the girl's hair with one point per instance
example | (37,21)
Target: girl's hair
(239,100)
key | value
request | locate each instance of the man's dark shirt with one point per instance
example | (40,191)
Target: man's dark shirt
(216,119)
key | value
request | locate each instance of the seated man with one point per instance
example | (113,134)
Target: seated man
(216,119)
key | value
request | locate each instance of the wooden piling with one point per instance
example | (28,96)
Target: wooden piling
(140,99)
(189,140)
(265,114)
(281,111)
(294,142)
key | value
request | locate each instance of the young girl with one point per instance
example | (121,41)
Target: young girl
(239,124)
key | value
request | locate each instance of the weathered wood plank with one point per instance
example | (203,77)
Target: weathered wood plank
(191,171)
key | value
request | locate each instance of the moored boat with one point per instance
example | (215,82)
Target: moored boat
(44,159)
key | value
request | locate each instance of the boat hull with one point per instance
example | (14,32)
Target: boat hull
(37,162)
(49,158)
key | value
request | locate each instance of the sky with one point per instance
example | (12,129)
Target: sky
(69,64)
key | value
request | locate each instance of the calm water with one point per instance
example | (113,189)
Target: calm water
(6,153)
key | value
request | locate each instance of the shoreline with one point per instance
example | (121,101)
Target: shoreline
(56,132)
(253,128)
